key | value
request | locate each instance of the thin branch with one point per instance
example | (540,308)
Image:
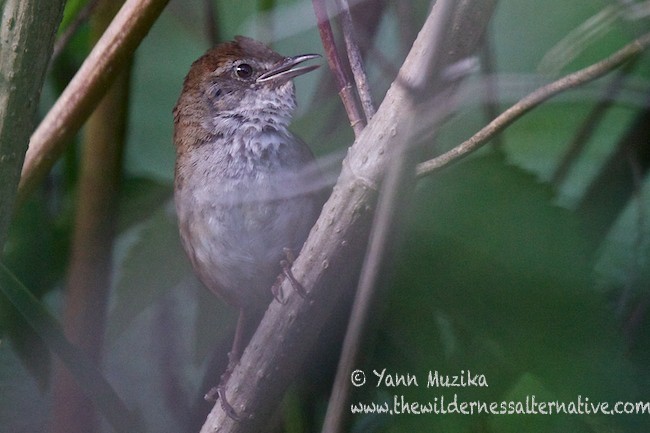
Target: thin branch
(342,81)
(638,168)
(588,126)
(531,101)
(395,192)
(615,183)
(86,89)
(356,60)
(81,17)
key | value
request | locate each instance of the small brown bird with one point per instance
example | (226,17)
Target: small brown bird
(242,179)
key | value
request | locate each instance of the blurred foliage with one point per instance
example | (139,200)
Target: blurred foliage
(495,274)
(504,289)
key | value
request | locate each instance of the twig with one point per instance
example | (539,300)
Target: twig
(614,184)
(87,87)
(81,17)
(531,101)
(342,81)
(581,37)
(356,60)
(588,126)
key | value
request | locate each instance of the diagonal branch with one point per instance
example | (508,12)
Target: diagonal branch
(589,126)
(82,17)
(86,89)
(329,262)
(396,189)
(534,99)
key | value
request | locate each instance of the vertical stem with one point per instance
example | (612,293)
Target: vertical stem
(356,61)
(86,294)
(342,81)
(589,125)
(24,56)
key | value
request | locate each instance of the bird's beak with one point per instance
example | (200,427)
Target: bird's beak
(287,68)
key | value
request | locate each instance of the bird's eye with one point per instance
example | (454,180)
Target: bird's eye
(244,70)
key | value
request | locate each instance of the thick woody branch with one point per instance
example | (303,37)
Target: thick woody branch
(396,189)
(24,55)
(329,262)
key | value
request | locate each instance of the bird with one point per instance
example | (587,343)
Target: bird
(242,179)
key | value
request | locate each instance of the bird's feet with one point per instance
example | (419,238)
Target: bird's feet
(219,392)
(276,289)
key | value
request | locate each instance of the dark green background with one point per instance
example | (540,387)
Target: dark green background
(495,271)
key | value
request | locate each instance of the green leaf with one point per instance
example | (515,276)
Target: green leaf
(35,236)
(140,198)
